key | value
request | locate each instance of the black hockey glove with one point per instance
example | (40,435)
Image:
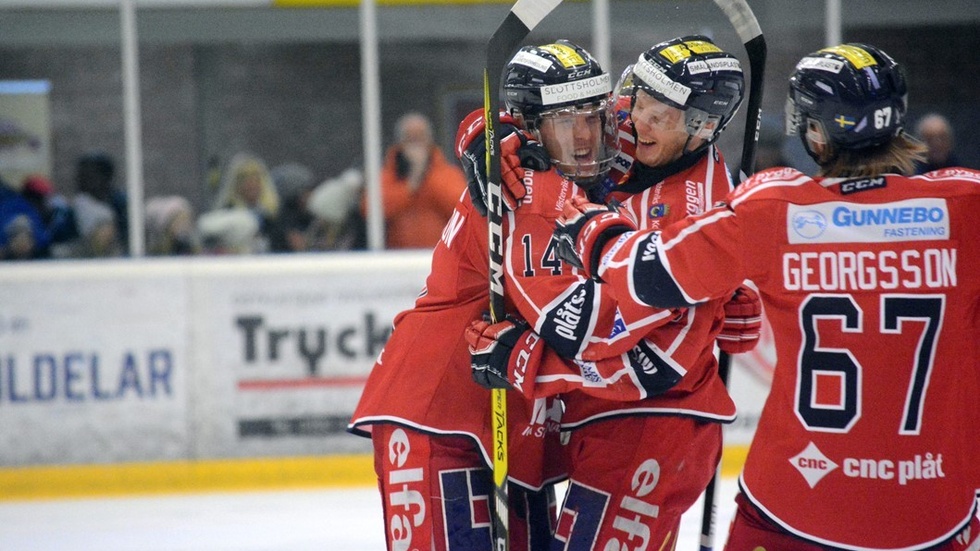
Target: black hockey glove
(492,348)
(583,230)
(518,150)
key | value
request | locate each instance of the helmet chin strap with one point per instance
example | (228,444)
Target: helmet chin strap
(687,143)
(697,150)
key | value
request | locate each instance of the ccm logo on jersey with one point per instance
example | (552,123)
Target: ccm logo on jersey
(853,186)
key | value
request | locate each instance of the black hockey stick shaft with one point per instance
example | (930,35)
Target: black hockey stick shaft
(747,27)
(524,15)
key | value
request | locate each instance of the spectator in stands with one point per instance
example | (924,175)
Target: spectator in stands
(295,183)
(22,232)
(419,187)
(228,232)
(247,185)
(935,131)
(94,177)
(55,210)
(98,229)
(337,221)
(169,225)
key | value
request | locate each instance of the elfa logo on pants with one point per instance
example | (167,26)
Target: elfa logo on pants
(407,505)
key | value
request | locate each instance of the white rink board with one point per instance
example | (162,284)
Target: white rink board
(200,358)
(93,368)
(167,359)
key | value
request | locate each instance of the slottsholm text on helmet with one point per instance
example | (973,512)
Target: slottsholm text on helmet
(660,82)
(575,90)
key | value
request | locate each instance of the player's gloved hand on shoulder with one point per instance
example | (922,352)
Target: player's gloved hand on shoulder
(518,150)
(583,230)
(743,322)
(495,349)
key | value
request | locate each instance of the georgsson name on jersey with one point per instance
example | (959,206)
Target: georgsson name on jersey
(842,222)
(923,220)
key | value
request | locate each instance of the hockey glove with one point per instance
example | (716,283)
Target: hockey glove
(495,348)
(743,322)
(583,230)
(518,150)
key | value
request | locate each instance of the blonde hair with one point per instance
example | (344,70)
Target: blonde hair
(898,155)
(239,167)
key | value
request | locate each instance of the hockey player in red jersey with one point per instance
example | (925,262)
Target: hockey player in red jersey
(637,460)
(868,276)
(430,424)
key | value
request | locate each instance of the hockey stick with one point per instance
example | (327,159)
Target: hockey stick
(524,15)
(747,27)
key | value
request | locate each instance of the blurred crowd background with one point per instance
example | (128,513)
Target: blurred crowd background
(251,111)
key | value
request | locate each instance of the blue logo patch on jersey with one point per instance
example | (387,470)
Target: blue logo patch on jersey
(809,224)
(921,219)
(618,326)
(659,210)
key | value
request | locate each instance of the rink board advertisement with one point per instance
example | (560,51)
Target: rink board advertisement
(92,368)
(287,357)
(214,358)
(122,361)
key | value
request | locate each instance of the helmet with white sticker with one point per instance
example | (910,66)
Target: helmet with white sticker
(562,74)
(561,94)
(850,96)
(692,74)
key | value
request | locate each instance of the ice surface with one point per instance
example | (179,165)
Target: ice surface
(295,520)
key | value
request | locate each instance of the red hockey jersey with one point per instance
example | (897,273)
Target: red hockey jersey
(611,339)
(868,439)
(422,377)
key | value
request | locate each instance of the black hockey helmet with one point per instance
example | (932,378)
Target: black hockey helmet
(554,91)
(854,93)
(552,76)
(694,75)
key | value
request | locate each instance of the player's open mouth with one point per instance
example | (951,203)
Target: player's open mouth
(583,154)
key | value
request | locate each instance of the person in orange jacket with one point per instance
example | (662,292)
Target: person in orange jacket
(419,187)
